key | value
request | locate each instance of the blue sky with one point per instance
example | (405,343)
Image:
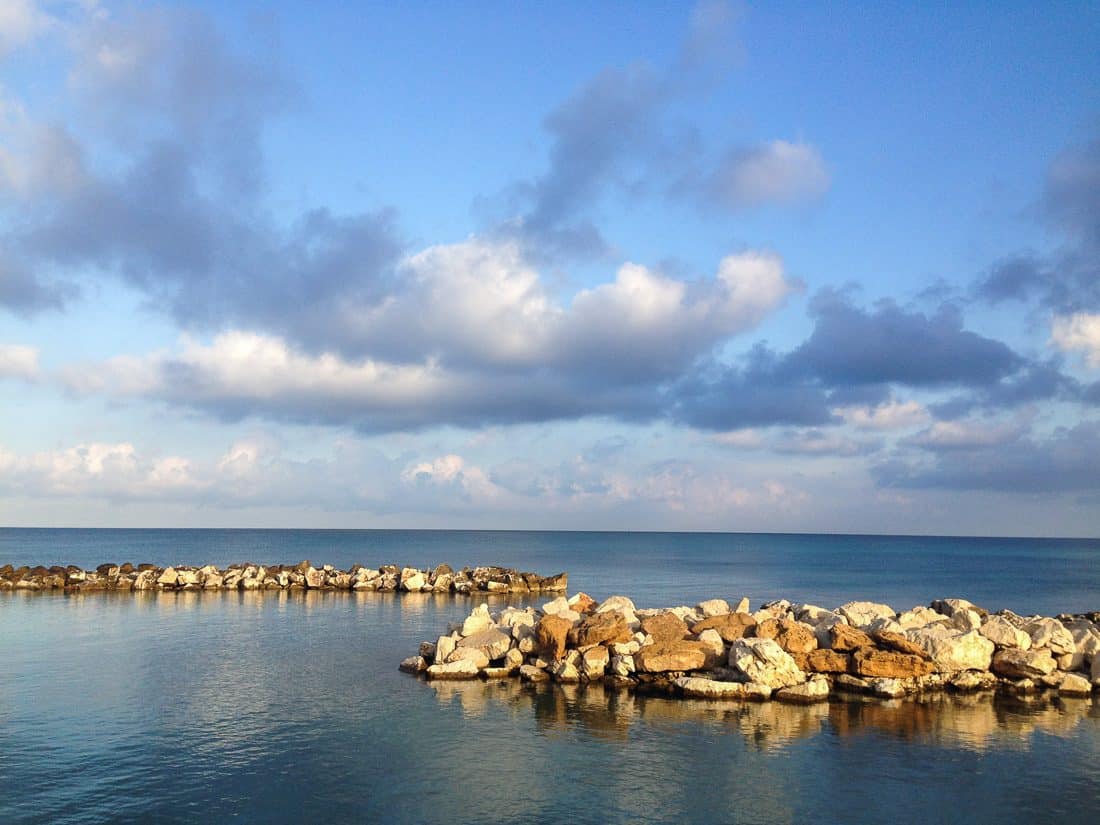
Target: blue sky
(643,266)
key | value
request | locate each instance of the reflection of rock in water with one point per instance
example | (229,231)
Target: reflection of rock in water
(974,722)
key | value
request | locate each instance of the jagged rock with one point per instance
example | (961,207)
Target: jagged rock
(462,669)
(1073,684)
(713,607)
(413,664)
(889,664)
(764,662)
(477,621)
(619,604)
(714,642)
(815,690)
(919,617)
(950,607)
(530,673)
(314,578)
(412,580)
(604,627)
(1050,633)
(493,643)
(731,626)
(1023,664)
(622,665)
(970,680)
(1003,633)
(427,650)
(513,658)
(662,657)
(565,672)
(953,651)
(698,687)
(168,578)
(845,638)
(551,633)
(791,635)
(582,603)
(822,661)
(898,642)
(594,662)
(861,614)
(889,688)
(444,647)
(664,627)
(468,654)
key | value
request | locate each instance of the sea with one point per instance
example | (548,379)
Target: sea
(289,708)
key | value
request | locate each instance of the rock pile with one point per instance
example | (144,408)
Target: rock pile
(304,575)
(796,653)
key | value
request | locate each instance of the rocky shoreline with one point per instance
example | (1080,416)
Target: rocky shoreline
(302,576)
(794,653)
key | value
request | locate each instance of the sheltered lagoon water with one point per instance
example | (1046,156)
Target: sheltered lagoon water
(283,707)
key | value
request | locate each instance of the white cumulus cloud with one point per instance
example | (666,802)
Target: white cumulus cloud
(1079,332)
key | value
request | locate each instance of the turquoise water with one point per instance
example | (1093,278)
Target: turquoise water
(289,707)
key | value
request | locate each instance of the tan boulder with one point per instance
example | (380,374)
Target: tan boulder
(899,643)
(609,627)
(793,636)
(665,627)
(697,687)
(889,664)
(493,643)
(582,603)
(1023,664)
(844,637)
(551,633)
(823,661)
(730,626)
(815,690)
(662,657)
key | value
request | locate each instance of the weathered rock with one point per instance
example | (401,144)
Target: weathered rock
(919,617)
(791,635)
(764,662)
(949,607)
(889,664)
(477,621)
(493,643)
(551,633)
(565,672)
(168,578)
(886,687)
(953,651)
(662,657)
(413,664)
(468,654)
(582,603)
(814,690)
(1004,633)
(966,620)
(971,680)
(513,659)
(698,687)
(845,638)
(730,626)
(622,665)
(461,669)
(861,614)
(314,578)
(1050,633)
(664,627)
(1023,664)
(899,643)
(1074,684)
(619,604)
(594,662)
(530,673)
(713,607)
(444,647)
(714,642)
(822,661)
(412,581)
(603,627)
(427,650)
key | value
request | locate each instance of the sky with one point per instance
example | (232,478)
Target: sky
(778,267)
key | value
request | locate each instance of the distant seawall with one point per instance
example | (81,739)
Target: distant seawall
(301,576)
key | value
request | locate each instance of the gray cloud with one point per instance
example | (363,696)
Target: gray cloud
(1063,462)
(1069,279)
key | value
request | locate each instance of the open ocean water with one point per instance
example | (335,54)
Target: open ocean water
(267,707)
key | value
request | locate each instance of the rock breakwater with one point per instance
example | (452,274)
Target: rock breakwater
(304,575)
(797,653)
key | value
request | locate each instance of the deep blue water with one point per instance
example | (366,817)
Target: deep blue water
(261,707)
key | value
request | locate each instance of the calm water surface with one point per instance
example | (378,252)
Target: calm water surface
(289,708)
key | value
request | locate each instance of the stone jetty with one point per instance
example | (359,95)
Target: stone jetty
(304,575)
(798,653)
